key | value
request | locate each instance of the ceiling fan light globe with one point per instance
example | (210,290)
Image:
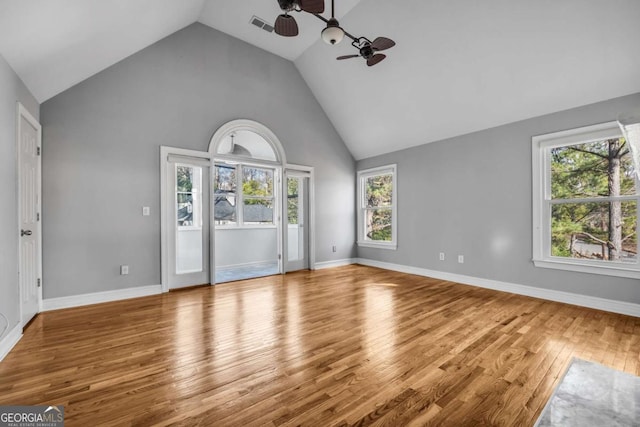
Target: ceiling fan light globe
(332,34)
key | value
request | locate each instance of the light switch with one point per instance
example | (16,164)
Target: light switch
(146,211)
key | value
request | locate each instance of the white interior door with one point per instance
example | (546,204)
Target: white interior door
(297,220)
(29,200)
(187,213)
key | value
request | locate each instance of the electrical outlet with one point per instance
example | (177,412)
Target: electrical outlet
(461,259)
(441,256)
(124,270)
(334,249)
(146,211)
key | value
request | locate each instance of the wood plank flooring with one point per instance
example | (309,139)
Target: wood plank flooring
(351,346)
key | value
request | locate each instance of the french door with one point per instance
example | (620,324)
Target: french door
(297,220)
(186,212)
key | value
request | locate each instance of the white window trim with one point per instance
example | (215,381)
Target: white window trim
(361,176)
(244,226)
(541,168)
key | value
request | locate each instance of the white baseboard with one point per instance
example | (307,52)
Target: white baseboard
(99,297)
(10,340)
(336,263)
(614,306)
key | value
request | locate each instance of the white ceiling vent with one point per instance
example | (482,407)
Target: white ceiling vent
(261,23)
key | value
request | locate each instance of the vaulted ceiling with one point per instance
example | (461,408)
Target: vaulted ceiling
(459,65)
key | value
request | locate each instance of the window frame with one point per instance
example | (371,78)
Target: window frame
(543,202)
(362,177)
(240,198)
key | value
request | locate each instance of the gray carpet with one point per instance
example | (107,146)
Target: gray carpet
(591,394)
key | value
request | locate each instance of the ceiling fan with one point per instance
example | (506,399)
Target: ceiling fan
(369,50)
(287,26)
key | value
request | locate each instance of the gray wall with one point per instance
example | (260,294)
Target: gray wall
(12,90)
(246,246)
(101,155)
(472,195)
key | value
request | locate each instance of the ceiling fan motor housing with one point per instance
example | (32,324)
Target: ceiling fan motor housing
(287,5)
(366,51)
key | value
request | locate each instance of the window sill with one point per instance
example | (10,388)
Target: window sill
(189,228)
(617,270)
(244,227)
(390,246)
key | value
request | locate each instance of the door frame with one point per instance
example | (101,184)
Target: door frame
(279,164)
(22,112)
(312,214)
(165,151)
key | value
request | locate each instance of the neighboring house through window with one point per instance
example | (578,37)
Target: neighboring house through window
(585,202)
(377,207)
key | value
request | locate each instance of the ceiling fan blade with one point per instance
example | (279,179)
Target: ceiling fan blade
(375,59)
(312,6)
(286,26)
(347,57)
(382,43)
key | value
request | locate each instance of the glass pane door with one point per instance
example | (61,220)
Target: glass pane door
(187,221)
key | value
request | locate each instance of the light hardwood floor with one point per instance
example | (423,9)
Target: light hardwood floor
(347,346)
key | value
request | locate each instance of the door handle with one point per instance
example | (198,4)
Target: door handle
(25,233)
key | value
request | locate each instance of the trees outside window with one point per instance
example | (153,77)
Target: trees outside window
(586,202)
(293,200)
(257,194)
(596,229)
(377,207)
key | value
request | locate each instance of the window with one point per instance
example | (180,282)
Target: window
(257,195)
(247,186)
(188,196)
(585,200)
(224,185)
(377,202)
